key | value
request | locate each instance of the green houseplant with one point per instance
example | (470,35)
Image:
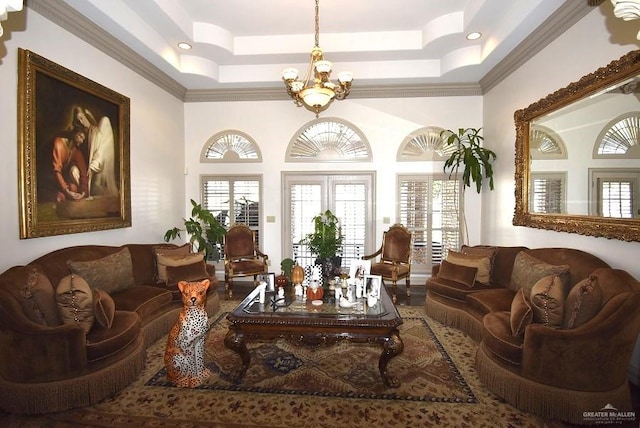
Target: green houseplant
(469,152)
(325,241)
(205,231)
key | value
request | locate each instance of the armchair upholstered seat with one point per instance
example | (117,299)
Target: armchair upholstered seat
(241,256)
(395,257)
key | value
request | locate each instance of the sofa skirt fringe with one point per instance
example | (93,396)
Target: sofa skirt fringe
(544,400)
(453,317)
(56,396)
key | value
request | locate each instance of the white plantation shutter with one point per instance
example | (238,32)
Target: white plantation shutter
(547,193)
(617,198)
(614,192)
(429,207)
(234,200)
(351,208)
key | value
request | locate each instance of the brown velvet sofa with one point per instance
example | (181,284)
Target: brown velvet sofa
(47,365)
(555,371)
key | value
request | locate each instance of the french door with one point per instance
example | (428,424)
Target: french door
(348,196)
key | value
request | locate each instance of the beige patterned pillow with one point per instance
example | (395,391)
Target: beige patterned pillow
(547,301)
(111,273)
(176,260)
(527,270)
(482,263)
(75,301)
(168,251)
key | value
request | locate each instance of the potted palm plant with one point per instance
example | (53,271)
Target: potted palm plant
(475,159)
(205,231)
(470,153)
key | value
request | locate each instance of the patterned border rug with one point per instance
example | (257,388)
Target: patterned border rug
(297,386)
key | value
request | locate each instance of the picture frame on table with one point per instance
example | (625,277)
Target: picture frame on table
(372,285)
(73,145)
(269,279)
(359,268)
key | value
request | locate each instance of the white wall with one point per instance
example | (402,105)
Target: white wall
(272,124)
(157,133)
(591,43)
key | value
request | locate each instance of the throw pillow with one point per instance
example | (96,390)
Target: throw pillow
(75,301)
(583,302)
(161,271)
(521,314)
(111,273)
(104,308)
(38,299)
(482,263)
(485,251)
(463,274)
(527,270)
(547,300)
(176,260)
(192,272)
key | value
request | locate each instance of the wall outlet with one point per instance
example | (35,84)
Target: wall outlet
(271,219)
(386,220)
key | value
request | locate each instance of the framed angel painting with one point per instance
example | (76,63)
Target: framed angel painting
(73,145)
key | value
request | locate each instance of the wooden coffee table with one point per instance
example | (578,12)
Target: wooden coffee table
(304,323)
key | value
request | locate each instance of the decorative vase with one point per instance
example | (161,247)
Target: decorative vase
(282,281)
(297,274)
(315,293)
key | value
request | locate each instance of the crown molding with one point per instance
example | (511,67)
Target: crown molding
(60,13)
(373,91)
(560,21)
(71,20)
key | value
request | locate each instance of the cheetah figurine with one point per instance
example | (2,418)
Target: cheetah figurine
(184,356)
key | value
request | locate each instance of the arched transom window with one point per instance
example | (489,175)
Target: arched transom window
(424,144)
(328,140)
(620,138)
(546,144)
(230,146)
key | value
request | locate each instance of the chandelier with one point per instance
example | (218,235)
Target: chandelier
(316,90)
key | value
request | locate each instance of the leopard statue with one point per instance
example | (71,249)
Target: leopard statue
(184,355)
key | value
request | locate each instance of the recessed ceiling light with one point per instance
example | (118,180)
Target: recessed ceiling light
(184,45)
(474,36)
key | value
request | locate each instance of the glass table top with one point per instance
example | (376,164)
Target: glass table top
(328,306)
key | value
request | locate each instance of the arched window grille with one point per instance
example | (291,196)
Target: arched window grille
(620,138)
(328,140)
(230,146)
(424,144)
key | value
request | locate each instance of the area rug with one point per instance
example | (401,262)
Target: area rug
(297,386)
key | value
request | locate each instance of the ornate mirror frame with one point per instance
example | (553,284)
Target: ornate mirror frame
(601,79)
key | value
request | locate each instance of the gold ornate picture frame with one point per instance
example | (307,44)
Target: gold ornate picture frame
(73,151)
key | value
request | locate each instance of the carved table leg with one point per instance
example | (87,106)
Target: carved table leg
(392,346)
(236,343)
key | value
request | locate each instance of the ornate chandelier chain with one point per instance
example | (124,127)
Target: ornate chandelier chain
(317,23)
(316,90)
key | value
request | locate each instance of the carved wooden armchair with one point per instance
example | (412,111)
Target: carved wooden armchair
(395,257)
(241,256)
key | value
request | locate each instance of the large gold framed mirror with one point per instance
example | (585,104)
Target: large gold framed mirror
(577,165)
